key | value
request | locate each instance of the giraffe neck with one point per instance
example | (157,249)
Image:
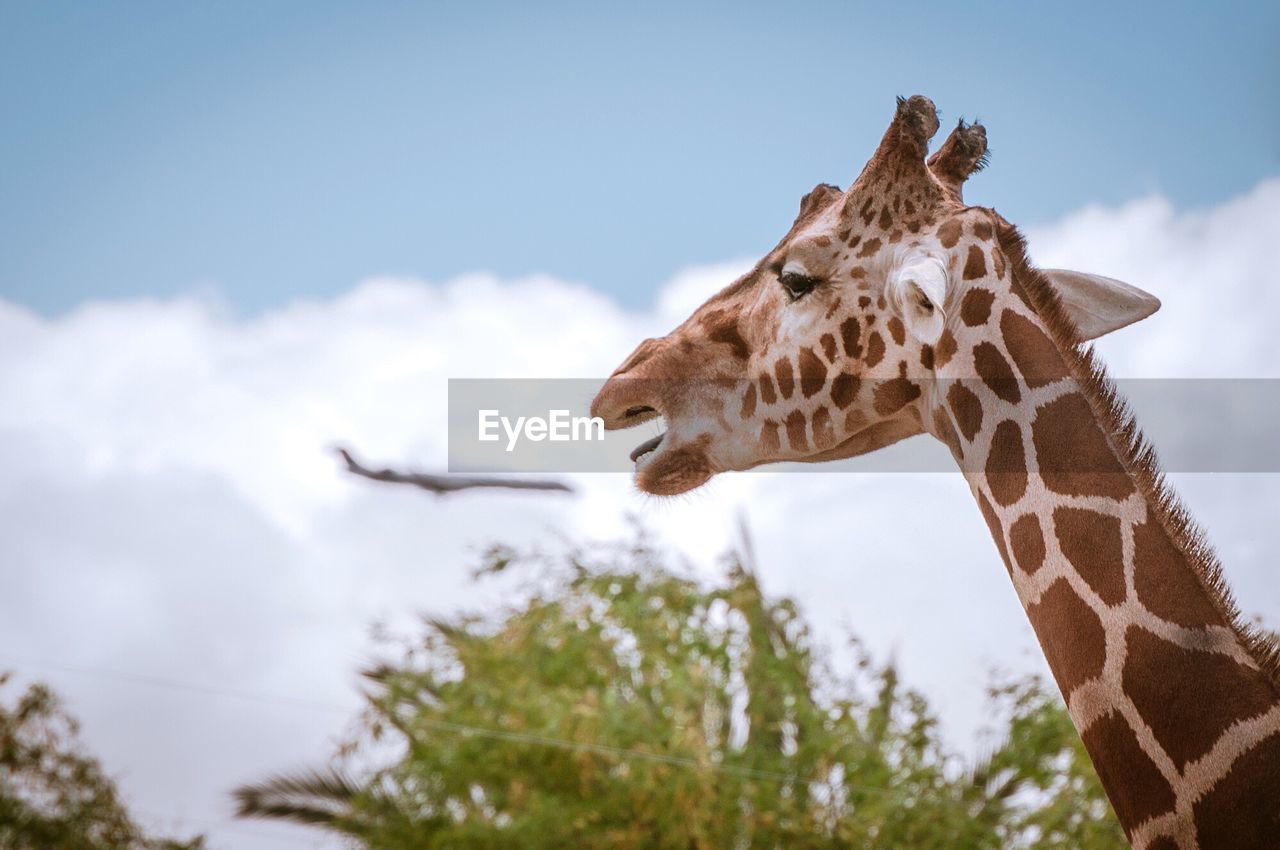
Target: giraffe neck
(1179,711)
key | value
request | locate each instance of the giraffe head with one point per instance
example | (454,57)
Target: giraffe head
(827,348)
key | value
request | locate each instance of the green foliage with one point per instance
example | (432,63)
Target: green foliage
(52,795)
(626,706)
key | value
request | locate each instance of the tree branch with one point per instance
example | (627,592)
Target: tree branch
(444,484)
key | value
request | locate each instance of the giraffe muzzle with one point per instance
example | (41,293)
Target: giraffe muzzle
(673,461)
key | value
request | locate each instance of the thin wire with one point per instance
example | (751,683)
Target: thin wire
(446,725)
(162,682)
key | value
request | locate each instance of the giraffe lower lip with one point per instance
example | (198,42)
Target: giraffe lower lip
(645,448)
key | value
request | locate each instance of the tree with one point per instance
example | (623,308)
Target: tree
(52,795)
(627,706)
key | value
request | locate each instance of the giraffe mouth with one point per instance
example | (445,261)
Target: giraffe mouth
(672,460)
(646,451)
(648,447)
(666,465)
(638,414)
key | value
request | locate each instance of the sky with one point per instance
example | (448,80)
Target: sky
(271,152)
(232,237)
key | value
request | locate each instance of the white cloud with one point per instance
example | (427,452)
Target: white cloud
(1215,270)
(169,506)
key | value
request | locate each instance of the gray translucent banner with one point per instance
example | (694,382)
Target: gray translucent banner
(542,425)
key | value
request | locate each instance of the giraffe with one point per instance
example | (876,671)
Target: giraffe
(892,309)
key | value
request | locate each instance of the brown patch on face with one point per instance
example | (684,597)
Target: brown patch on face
(996,372)
(997,262)
(1074,642)
(975,265)
(865,212)
(767,395)
(926,356)
(949,233)
(1165,582)
(1091,542)
(748,402)
(947,348)
(786,378)
(869,247)
(1034,353)
(946,432)
(982,229)
(795,432)
(896,330)
(1136,788)
(1237,812)
(828,343)
(824,436)
(1189,698)
(966,408)
(724,329)
(844,389)
(1027,542)
(975,307)
(1075,458)
(997,532)
(864,301)
(893,395)
(875,349)
(813,373)
(850,331)
(769,440)
(1007,464)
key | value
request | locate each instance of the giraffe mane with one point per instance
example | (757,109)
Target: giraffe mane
(1136,453)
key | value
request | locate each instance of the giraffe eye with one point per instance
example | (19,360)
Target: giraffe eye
(797,285)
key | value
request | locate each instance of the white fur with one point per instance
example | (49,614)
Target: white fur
(920,276)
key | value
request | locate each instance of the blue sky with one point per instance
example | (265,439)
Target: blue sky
(276,151)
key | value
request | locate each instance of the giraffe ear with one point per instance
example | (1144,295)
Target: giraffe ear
(918,290)
(1099,305)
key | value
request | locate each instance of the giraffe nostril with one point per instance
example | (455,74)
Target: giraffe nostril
(638,410)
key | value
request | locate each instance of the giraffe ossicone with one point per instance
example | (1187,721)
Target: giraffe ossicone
(891,310)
